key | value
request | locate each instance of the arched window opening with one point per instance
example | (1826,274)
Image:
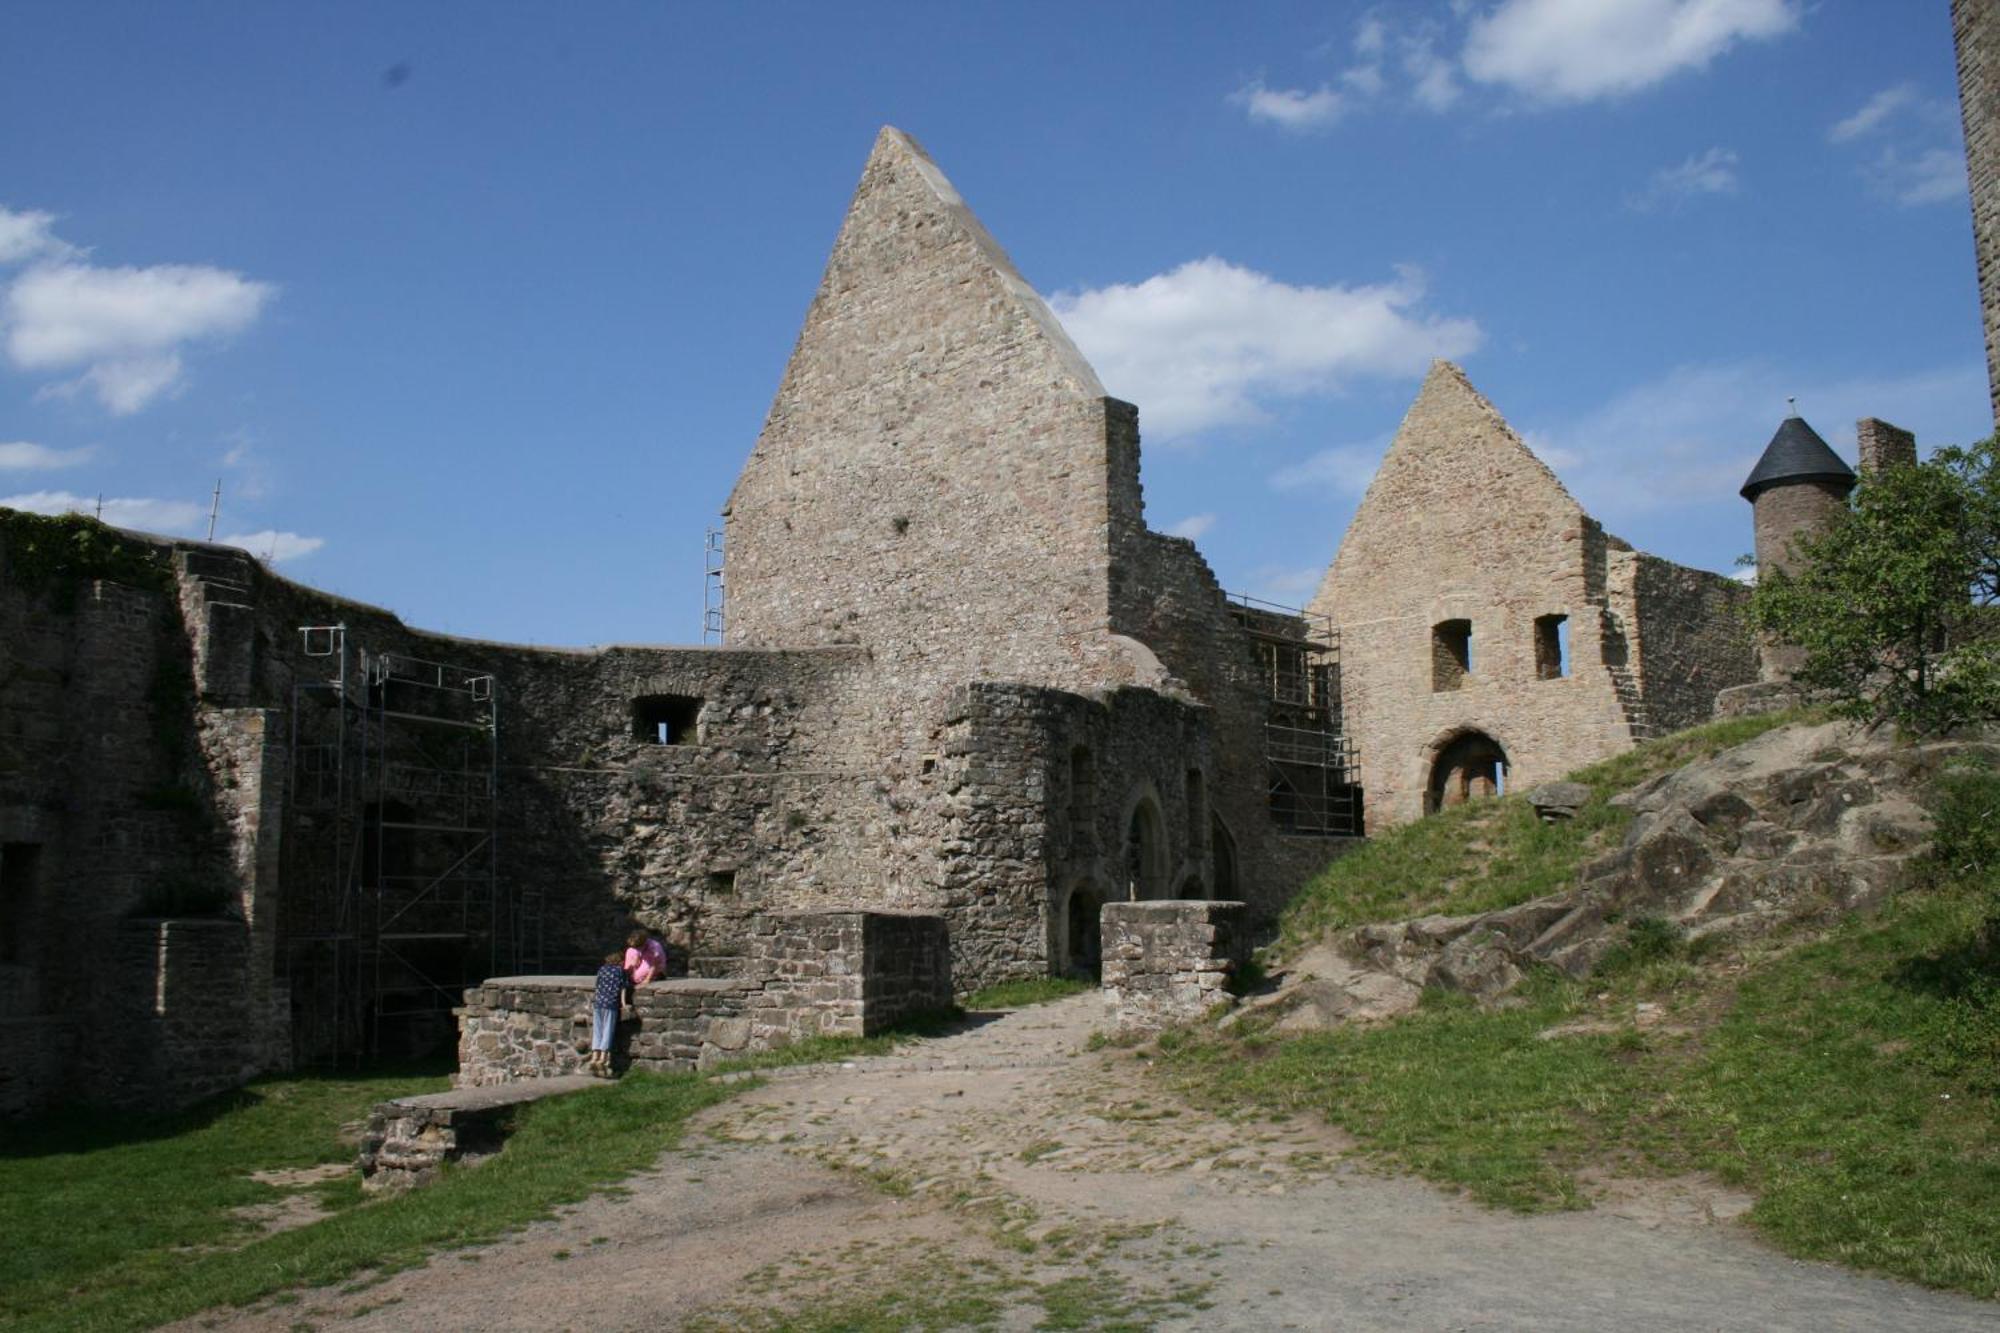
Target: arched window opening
(1082,802)
(1222,849)
(1145,853)
(1451,654)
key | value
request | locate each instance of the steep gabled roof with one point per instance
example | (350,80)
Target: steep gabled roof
(1795,453)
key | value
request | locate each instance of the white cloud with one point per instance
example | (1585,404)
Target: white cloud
(1872,113)
(164,516)
(1712,172)
(1580,50)
(1343,470)
(1690,437)
(21,456)
(123,329)
(1371,35)
(1434,82)
(1192,527)
(275,547)
(1932,176)
(27,235)
(1211,343)
(1290,108)
(1746,574)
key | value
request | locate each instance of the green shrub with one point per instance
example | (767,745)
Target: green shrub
(1965,814)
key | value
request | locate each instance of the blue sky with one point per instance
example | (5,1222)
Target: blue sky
(476,310)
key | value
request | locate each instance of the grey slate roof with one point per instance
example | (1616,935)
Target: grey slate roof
(1795,453)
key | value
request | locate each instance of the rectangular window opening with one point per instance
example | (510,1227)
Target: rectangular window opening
(1552,647)
(1451,654)
(722,881)
(666,719)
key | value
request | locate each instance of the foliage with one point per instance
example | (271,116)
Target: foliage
(114,1228)
(1486,855)
(54,555)
(1965,821)
(1895,605)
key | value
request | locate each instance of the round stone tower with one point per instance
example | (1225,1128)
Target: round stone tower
(1796,490)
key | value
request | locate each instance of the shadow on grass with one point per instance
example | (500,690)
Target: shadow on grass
(90,1129)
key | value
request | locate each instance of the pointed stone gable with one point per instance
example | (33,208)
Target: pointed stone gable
(1452,448)
(934,475)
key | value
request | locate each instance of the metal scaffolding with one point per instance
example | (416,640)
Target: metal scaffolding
(1311,766)
(711,587)
(393,899)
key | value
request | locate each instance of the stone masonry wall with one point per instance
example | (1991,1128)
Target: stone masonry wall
(810,974)
(1462,522)
(1976,32)
(1169,962)
(1692,641)
(192,1025)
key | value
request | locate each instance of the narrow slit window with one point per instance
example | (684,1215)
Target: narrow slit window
(1451,654)
(665,719)
(1552,647)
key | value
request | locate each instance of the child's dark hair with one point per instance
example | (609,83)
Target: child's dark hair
(615,958)
(637,939)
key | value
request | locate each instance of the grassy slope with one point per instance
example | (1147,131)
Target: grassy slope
(1491,854)
(1849,1083)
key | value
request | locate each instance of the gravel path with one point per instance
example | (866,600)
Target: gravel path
(1008,1164)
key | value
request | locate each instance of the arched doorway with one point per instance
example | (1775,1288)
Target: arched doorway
(1083,940)
(1145,864)
(1469,766)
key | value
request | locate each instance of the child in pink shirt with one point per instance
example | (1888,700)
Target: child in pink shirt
(645,957)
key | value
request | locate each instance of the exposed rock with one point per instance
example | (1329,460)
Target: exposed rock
(1799,821)
(1554,801)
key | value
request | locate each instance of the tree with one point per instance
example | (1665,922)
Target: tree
(1897,605)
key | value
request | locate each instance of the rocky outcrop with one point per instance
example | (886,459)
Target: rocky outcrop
(1799,822)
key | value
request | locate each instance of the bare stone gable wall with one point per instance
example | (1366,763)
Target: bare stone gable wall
(1463,525)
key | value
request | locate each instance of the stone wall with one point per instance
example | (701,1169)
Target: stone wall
(1976,31)
(1691,641)
(845,974)
(1170,962)
(1463,523)
(192,1023)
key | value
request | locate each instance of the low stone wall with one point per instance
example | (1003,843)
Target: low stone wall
(834,973)
(1169,962)
(409,1139)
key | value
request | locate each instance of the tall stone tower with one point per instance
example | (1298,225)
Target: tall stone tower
(1976,31)
(1796,490)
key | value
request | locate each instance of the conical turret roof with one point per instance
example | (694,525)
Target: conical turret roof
(1795,453)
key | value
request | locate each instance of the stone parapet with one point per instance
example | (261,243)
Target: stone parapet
(1169,962)
(832,973)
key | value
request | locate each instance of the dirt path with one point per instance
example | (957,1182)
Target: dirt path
(1007,1171)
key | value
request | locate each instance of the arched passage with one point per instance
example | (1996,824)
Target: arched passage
(1468,766)
(1145,863)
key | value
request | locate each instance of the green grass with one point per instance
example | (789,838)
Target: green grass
(1848,1083)
(1021,994)
(1486,855)
(110,1226)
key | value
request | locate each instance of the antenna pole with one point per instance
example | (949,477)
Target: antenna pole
(214,508)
